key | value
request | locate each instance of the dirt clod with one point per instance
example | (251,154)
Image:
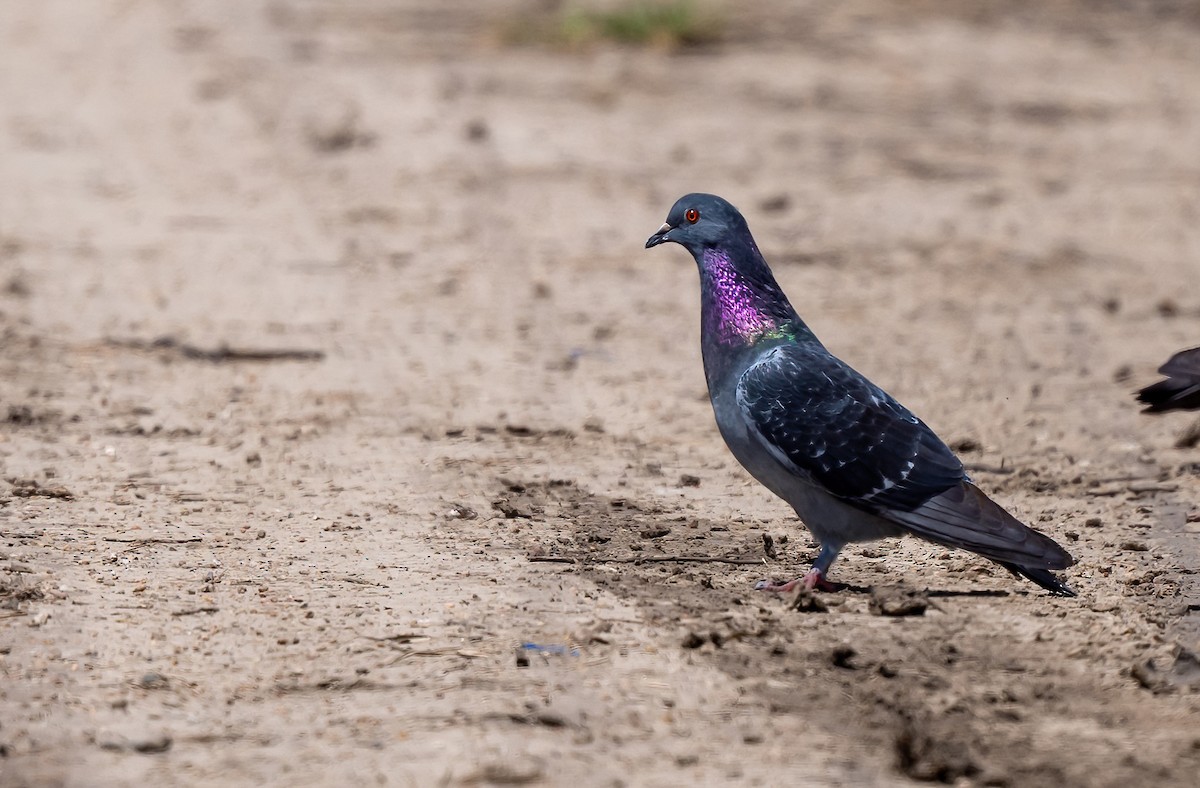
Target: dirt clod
(930,752)
(1182,673)
(31,488)
(460,511)
(1190,437)
(966,445)
(145,742)
(477,130)
(519,772)
(21,415)
(898,601)
(775,203)
(806,601)
(15,588)
(842,656)
(511,511)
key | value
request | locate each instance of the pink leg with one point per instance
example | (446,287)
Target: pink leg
(813,579)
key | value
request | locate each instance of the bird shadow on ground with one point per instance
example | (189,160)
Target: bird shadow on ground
(955,592)
(849,588)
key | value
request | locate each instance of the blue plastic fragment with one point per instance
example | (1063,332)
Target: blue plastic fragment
(551,648)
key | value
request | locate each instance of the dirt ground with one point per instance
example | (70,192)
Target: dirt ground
(334,372)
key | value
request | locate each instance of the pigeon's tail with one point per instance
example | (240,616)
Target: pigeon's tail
(964,517)
(1181,389)
(1171,394)
(1042,577)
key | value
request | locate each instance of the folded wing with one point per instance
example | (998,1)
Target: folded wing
(833,427)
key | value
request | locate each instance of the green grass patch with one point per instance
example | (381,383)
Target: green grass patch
(667,24)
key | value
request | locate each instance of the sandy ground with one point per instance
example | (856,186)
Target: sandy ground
(221,568)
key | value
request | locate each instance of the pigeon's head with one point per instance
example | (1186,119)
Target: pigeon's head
(702,221)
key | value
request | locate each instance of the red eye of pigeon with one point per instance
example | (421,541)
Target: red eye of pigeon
(692,215)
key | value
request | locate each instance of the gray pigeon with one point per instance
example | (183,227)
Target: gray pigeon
(853,462)
(1180,390)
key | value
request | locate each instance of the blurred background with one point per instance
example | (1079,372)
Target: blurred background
(308,290)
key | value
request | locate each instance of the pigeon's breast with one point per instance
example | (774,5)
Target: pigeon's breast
(748,447)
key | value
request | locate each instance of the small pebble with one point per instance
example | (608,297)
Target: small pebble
(153,681)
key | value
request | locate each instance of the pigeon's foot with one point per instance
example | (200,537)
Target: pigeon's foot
(813,580)
(777,588)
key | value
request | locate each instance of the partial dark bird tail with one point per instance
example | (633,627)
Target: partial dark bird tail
(1181,389)
(1042,577)
(964,517)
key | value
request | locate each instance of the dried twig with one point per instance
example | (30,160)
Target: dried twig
(358,581)
(403,637)
(441,652)
(686,559)
(221,353)
(154,540)
(1135,487)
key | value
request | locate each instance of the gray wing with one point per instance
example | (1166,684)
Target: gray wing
(831,426)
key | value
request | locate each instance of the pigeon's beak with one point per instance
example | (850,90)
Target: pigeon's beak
(660,236)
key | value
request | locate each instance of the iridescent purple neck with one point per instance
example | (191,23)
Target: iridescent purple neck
(740,308)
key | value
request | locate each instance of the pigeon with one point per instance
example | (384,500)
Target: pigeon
(1181,389)
(853,462)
